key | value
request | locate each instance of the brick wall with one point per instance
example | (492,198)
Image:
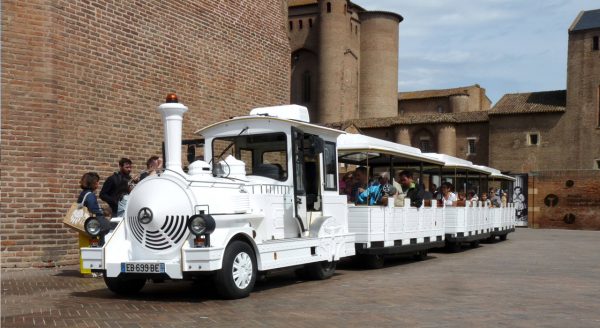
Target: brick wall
(565,199)
(80,84)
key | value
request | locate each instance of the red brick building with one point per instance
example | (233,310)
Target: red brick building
(80,84)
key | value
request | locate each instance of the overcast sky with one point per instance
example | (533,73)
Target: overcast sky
(506,46)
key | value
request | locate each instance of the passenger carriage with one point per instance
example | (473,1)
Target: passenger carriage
(392,228)
(466,221)
(263,197)
(503,218)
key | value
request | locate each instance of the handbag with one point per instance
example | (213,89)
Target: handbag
(76,216)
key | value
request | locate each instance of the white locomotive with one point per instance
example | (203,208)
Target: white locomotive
(279,207)
(266,196)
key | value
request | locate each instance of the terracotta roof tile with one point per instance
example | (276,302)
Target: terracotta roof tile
(435,93)
(532,102)
(408,119)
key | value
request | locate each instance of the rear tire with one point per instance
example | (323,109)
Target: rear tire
(237,276)
(421,255)
(319,270)
(124,286)
(454,247)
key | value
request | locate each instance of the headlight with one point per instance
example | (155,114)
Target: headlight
(201,224)
(92,226)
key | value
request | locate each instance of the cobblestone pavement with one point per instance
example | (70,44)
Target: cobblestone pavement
(537,278)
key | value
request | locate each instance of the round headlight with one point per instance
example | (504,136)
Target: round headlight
(201,224)
(92,226)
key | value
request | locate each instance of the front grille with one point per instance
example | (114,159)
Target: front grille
(167,236)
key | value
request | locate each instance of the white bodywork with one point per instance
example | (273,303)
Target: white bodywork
(256,209)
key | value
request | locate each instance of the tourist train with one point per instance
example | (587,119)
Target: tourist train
(264,194)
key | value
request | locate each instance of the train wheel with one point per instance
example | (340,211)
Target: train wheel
(124,286)
(503,237)
(237,276)
(454,247)
(372,261)
(421,255)
(320,270)
(475,244)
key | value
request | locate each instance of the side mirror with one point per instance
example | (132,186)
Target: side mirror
(316,145)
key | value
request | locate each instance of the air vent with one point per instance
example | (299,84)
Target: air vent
(167,236)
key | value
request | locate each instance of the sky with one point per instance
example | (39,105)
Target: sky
(505,46)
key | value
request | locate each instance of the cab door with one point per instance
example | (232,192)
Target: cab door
(299,178)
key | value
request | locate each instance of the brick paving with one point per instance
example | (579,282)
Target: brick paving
(541,278)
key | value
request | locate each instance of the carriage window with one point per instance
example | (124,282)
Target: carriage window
(329,166)
(263,154)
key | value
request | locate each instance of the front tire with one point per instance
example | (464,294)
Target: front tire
(237,276)
(124,286)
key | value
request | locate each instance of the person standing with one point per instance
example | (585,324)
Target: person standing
(110,189)
(89,184)
(153,166)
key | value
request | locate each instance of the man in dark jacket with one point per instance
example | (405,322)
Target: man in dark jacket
(111,187)
(411,190)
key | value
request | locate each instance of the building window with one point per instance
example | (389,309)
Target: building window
(329,7)
(597,164)
(291,25)
(345,9)
(300,24)
(596,44)
(356,29)
(425,145)
(533,139)
(310,22)
(306,87)
(471,146)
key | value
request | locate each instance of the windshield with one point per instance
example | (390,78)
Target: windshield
(263,154)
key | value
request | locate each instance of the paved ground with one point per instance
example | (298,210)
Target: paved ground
(537,278)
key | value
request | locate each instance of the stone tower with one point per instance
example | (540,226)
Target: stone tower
(338,62)
(583,90)
(341,69)
(379,64)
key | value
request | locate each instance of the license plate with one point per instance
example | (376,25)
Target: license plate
(143,267)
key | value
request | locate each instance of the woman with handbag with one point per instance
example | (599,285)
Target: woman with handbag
(89,184)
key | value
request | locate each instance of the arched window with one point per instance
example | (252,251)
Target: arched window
(310,22)
(596,43)
(291,25)
(300,24)
(306,87)
(345,9)
(329,7)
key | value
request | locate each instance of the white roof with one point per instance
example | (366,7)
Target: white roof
(359,143)
(494,173)
(288,112)
(458,163)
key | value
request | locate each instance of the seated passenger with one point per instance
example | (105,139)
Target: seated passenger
(410,190)
(360,182)
(485,200)
(494,198)
(378,192)
(473,196)
(447,196)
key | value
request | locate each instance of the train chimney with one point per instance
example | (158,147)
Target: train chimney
(172,117)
